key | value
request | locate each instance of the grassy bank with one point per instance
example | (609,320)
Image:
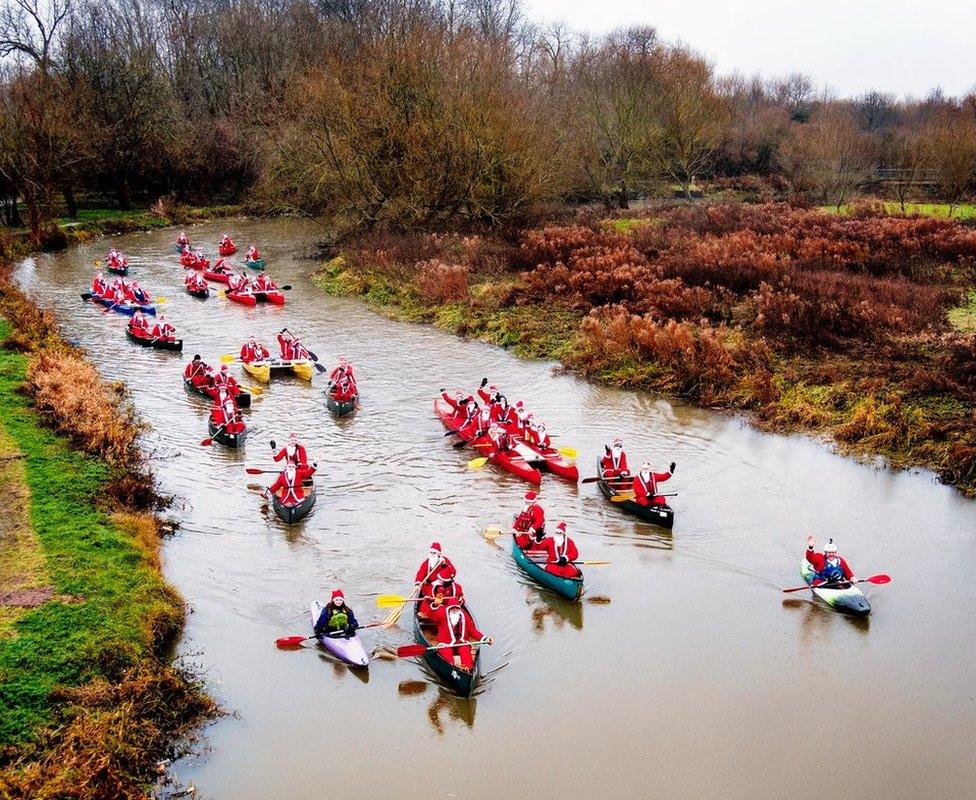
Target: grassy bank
(856,328)
(88,700)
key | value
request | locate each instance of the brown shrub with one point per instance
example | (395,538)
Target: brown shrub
(441,283)
(32,327)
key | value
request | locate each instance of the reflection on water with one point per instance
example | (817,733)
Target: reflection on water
(698,676)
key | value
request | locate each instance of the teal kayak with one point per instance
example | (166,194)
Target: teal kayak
(570,588)
(258,264)
(848,600)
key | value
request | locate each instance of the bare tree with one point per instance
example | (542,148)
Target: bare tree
(952,143)
(30,28)
(911,155)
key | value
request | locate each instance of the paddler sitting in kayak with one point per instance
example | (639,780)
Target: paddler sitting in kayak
(344,390)
(252,254)
(522,417)
(291,453)
(337,618)
(288,485)
(291,346)
(477,425)
(262,283)
(345,369)
(645,485)
(225,414)
(829,566)
(529,525)
(194,280)
(498,440)
(442,589)
(455,627)
(198,372)
(138,294)
(560,553)
(182,240)
(99,287)
(536,435)
(429,571)
(252,351)
(614,461)
(502,413)
(490,395)
(162,330)
(238,283)
(139,324)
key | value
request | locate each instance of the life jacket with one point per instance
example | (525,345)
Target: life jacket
(339,619)
(523,521)
(831,572)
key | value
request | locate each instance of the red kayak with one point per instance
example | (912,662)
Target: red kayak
(551,459)
(509,460)
(244,298)
(219,277)
(275,297)
(227,249)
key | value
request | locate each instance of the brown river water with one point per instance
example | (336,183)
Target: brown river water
(684,673)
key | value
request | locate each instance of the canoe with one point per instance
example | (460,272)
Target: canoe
(656,515)
(510,461)
(244,298)
(340,407)
(850,600)
(219,277)
(243,399)
(275,298)
(122,308)
(232,440)
(258,264)
(227,249)
(460,681)
(202,293)
(549,458)
(293,512)
(570,588)
(159,344)
(259,370)
(123,270)
(348,650)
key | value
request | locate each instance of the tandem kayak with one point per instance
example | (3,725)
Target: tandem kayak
(119,308)
(349,650)
(549,458)
(175,345)
(219,277)
(510,460)
(656,515)
(243,399)
(244,298)
(459,680)
(290,513)
(254,263)
(570,588)
(231,440)
(340,408)
(849,600)
(263,370)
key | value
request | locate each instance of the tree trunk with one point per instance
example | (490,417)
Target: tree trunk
(15,220)
(124,195)
(69,200)
(624,196)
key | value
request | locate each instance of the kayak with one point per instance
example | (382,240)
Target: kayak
(349,650)
(274,297)
(656,515)
(340,407)
(570,588)
(549,458)
(175,345)
(121,308)
(243,399)
(263,370)
(304,369)
(256,264)
(232,440)
(227,249)
(244,298)
(203,292)
(220,277)
(123,270)
(259,370)
(460,681)
(510,460)
(290,513)
(850,600)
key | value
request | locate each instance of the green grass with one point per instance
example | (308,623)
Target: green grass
(963,318)
(630,224)
(962,211)
(114,591)
(89,215)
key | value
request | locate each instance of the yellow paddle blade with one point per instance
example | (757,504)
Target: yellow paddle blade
(160,300)
(477,463)
(390,600)
(227,358)
(255,389)
(620,498)
(492,532)
(592,563)
(569,452)
(98,262)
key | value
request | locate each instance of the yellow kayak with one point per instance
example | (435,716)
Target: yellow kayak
(303,369)
(259,370)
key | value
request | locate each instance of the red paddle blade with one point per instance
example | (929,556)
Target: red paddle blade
(879,579)
(206,443)
(411,650)
(289,641)
(253,470)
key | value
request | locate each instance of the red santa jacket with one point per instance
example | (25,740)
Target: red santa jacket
(531,520)
(251,354)
(644,493)
(292,491)
(299,457)
(819,561)
(613,467)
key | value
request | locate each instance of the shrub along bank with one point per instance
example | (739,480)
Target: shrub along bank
(851,326)
(89,702)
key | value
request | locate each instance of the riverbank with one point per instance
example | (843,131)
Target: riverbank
(854,328)
(89,702)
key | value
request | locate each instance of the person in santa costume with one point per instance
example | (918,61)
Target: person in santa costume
(614,461)
(224,380)
(529,525)
(252,351)
(536,435)
(337,618)
(344,370)
(561,552)
(443,587)
(343,390)
(477,424)
(263,283)
(292,453)
(288,485)
(225,414)
(490,395)
(828,565)
(182,240)
(429,572)
(455,627)
(503,414)
(521,424)
(646,485)
(197,372)
(499,439)
(252,254)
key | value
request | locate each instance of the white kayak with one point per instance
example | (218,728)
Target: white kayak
(849,600)
(349,650)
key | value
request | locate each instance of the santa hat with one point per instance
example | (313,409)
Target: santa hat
(223,368)
(292,437)
(561,527)
(338,593)
(435,546)
(518,404)
(646,466)
(447,573)
(530,496)
(618,440)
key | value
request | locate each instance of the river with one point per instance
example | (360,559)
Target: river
(684,673)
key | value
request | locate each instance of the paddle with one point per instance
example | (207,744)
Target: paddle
(584,563)
(209,440)
(394,615)
(393,600)
(623,497)
(87,295)
(411,650)
(459,445)
(295,641)
(259,471)
(596,478)
(878,580)
(477,463)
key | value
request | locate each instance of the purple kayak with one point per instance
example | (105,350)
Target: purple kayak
(349,651)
